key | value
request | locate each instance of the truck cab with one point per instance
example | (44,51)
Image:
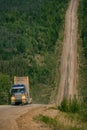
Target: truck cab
(20,92)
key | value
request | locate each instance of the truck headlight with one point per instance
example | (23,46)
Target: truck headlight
(23,97)
(12,98)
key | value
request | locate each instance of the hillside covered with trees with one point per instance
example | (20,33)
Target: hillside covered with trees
(31,33)
(82,49)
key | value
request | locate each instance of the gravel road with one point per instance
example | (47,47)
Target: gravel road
(67,87)
(9,114)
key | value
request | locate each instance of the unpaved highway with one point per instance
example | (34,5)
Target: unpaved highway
(67,87)
(9,114)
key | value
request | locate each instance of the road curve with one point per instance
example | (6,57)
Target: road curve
(9,114)
(67,86)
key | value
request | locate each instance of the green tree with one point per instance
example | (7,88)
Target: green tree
(5,85)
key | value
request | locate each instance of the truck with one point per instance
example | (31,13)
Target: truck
(20,93)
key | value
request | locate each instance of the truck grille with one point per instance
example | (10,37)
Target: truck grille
(18,96)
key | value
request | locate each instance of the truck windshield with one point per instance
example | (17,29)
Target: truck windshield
(18,90)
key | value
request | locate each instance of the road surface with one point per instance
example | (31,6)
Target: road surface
(67,87)
(9,114)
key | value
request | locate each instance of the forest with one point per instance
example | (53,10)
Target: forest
(82,49)
(30,31)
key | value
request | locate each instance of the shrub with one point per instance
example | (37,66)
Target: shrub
(5,85)
(71,106)
(64,105)
(74,106)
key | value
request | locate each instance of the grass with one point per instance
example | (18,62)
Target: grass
(71,116)
(56,124)
(71,106)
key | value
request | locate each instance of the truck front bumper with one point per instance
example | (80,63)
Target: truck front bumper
(21,101)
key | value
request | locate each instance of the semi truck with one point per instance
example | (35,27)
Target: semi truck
(20,92)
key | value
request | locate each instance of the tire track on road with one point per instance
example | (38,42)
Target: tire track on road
(67,87)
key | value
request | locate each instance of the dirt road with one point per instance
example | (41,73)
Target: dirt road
(9,114)
(67,87)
